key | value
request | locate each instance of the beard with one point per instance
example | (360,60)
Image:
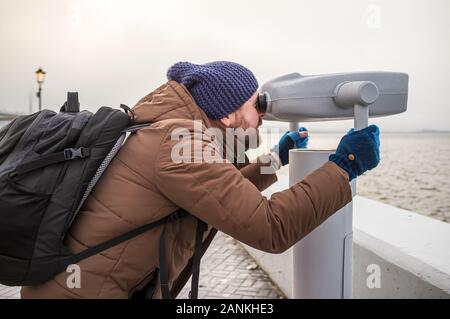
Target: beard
(247,135)
(250,138)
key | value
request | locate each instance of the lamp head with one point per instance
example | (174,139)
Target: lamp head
(40,75)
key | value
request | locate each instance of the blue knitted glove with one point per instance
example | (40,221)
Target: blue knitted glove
(289,141)
(358,151)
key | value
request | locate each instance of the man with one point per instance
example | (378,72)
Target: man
(148,180)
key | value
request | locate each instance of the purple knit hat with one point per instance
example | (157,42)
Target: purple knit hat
(219,88)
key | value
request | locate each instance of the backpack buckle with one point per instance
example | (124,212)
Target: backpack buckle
(72,153)
(179,214)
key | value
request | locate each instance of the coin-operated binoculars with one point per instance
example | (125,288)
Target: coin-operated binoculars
(323,259)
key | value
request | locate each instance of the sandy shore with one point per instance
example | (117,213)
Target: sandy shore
(414,174)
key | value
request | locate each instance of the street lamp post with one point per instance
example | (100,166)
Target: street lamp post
(40,75)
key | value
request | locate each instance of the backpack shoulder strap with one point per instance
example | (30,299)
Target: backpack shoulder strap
(106,161)
(73,259)
(163,269)
(201,228)
(137,127)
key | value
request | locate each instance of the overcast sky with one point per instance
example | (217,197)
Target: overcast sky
(115,52)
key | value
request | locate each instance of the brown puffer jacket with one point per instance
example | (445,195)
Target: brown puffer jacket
(143,184)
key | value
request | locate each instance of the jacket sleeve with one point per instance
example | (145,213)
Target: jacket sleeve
(260,173)
(220,195)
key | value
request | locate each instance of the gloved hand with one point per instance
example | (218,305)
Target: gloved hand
(358,151)
(290,140)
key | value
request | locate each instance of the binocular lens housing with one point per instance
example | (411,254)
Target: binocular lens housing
(261,104)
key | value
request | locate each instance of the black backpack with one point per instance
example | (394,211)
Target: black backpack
(49,164)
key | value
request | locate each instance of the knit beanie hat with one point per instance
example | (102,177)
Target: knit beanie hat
(219,88)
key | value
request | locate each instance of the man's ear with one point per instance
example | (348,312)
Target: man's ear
(226,121)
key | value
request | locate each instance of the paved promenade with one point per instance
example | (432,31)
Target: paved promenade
(227,271)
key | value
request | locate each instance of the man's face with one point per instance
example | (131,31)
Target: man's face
(249,120)
(247,116)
